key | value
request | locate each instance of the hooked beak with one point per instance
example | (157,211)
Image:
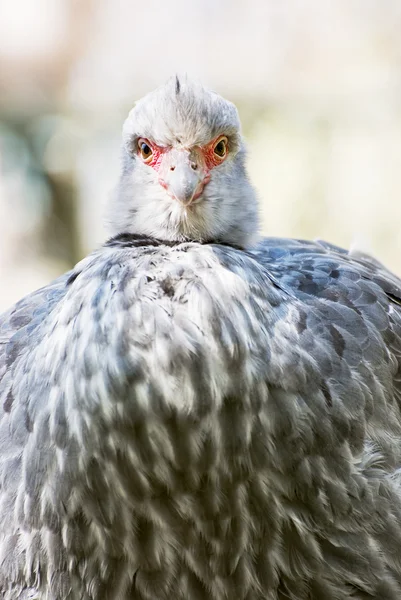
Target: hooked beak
(183,176)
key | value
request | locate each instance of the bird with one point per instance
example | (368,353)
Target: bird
(193,411)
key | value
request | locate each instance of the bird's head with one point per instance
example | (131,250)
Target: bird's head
(183,175)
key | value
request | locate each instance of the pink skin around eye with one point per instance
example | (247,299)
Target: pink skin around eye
(157,155)
(208,156)
(211,160)
(203,156)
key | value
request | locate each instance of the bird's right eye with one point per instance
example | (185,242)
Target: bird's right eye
(145,150)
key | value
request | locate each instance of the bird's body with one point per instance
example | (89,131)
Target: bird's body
(180,450)
(191,421)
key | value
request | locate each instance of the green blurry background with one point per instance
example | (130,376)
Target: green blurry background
(317,83)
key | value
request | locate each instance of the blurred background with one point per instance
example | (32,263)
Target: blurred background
(317,83)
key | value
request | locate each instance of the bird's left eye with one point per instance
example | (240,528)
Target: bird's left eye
(220,148)
(145,150)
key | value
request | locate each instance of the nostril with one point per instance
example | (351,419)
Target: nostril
(172,168)
(194,166)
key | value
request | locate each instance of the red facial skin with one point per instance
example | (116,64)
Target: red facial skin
(156,157)
(208,158)
(201,158)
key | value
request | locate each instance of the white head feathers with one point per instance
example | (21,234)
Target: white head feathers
(170,154)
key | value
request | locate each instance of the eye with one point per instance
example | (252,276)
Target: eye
(220,148)
(145,150)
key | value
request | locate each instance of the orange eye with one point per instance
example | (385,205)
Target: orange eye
(145,150)
(221,147)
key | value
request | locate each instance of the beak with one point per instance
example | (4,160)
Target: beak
(183,176)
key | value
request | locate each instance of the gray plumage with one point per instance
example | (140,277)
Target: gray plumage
(198,421)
